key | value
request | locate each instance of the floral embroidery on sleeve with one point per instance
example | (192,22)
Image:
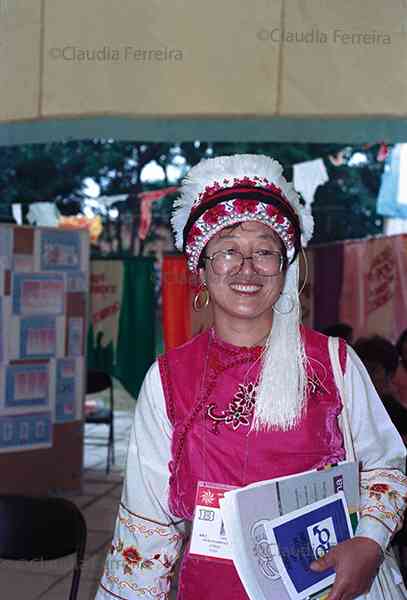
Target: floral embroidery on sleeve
(130,557)
(141,558)
(384,497)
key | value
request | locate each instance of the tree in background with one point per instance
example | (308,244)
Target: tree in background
(344,208)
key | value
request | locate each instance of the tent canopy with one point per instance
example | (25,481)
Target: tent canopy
(285,69)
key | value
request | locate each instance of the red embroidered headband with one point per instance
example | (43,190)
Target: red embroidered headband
(222,191)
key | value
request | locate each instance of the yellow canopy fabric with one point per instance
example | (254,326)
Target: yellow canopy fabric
(207,59)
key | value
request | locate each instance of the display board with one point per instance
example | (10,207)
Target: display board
(43,309)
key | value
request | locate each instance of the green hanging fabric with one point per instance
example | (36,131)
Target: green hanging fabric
(98,357)
(91,361)
(136,339)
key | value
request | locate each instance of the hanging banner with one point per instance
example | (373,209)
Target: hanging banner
(328,275)
(392,197)
(106,288)
(121,335)
(146,207)
(176,301)
(374,296)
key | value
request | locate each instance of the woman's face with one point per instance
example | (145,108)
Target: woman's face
(246,295)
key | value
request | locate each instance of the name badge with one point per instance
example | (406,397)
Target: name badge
(208,539)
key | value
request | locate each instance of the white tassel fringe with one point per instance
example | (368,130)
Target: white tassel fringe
(281,393)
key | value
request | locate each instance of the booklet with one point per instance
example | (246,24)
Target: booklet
(305,535)
(247,513)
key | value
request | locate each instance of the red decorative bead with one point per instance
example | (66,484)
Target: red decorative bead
(213,215)
(242,206)
(271,210)
(194,233)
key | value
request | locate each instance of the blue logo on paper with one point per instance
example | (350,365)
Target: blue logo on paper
(322,536)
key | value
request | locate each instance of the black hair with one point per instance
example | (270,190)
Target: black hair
(342,330)
(378,350)
(401,340)
(399,346)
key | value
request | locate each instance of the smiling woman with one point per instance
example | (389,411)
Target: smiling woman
(244,277)
(252,398)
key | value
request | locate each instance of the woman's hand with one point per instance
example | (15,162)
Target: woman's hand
(355,562)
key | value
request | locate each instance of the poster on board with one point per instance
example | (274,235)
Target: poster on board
(60,250)
(38,294)
(26,432)
(65,390)
(26,387)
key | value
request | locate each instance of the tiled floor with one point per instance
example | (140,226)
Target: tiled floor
(51,580)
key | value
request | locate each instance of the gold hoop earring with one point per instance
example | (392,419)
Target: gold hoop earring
(201,299)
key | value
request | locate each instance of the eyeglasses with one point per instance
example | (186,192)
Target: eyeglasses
(230,262)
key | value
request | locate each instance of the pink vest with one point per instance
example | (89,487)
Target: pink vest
(209,392)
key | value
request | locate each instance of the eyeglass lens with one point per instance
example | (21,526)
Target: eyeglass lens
(228,263)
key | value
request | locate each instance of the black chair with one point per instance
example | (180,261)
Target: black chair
(42,529)
(98,381)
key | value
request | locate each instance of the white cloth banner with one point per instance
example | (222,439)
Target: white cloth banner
(308,176)
(43,214)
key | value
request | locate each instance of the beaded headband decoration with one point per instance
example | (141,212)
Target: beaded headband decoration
(219,192)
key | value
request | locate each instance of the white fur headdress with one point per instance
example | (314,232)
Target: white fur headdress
(202,191)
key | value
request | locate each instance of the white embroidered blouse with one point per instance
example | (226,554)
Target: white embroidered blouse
(148,540)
